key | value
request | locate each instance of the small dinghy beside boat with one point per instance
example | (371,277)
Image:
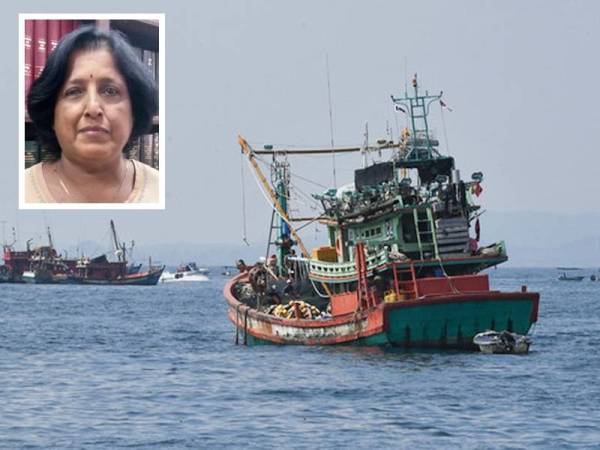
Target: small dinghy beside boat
(501,342)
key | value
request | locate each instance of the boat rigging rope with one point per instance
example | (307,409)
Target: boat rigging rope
(316,290)
(261,189)
(266,163)
(287,196)
(296,195)
(454,290)
(309,201)
(246,326)
(308,180)
(237,323)
(310,221)
(244,234)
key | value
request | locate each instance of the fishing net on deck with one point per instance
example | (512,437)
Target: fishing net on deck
(296,309)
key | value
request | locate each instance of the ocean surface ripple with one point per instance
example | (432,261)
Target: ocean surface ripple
(157,367)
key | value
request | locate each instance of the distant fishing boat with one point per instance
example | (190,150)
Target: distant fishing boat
(566,274)
(401,267)
(43,265)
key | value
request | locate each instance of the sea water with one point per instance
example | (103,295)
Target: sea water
(157,367)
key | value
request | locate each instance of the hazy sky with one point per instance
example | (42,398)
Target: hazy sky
(521,77)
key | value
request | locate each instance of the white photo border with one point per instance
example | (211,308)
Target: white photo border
(160,17)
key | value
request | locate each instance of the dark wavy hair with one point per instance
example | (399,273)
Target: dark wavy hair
(44,91)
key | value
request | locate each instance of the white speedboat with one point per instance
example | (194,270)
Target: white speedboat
(186,272)
(501,342)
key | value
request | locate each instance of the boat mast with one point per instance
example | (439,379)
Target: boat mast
(330,121)
(280,179)
(119,250)
(50,243)
(6,245)
(274,196)
(421,145)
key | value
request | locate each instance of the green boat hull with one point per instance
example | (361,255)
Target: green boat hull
(453,325)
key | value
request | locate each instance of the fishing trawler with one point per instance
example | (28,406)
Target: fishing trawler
(41,264)
(403,263)
(44,265)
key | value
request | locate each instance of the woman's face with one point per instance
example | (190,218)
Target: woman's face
(92,115)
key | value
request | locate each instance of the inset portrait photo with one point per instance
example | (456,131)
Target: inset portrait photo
(91,111)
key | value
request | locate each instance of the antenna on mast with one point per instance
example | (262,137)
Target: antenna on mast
(330,119)
(406,116)
(244,231)
(365,145)
(405,76)
(50,243)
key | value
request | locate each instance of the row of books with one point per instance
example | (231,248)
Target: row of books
(150,59)
(42,37)
(143,149)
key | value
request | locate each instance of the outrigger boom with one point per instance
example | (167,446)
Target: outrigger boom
(247,150)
